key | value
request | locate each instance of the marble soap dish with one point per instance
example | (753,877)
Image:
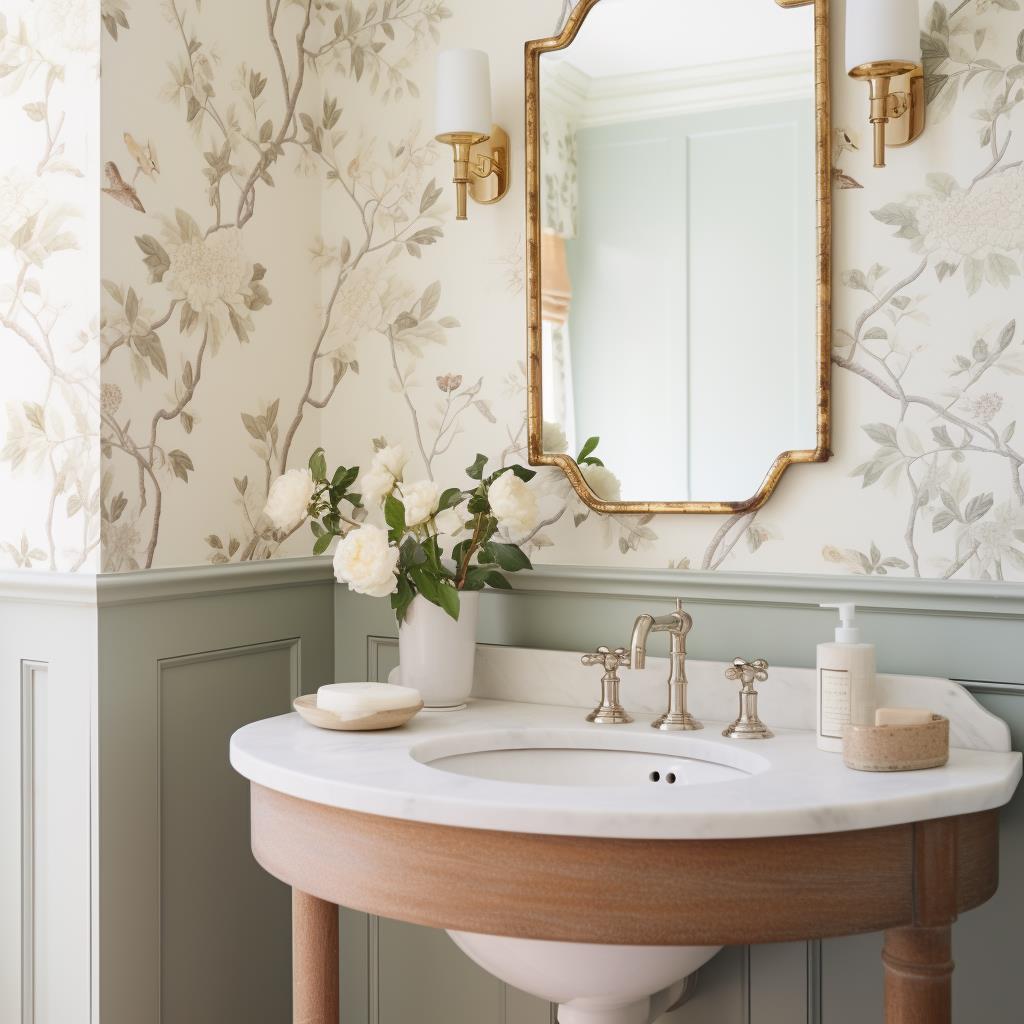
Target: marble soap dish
(359,707)
(897,748)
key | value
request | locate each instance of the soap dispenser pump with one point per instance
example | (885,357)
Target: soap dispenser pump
(846,680)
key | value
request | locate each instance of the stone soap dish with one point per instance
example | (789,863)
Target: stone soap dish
(897,748)
(322,718)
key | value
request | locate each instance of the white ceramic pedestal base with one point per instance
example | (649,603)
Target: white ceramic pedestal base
(592,984)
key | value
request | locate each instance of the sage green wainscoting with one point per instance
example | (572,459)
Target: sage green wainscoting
(192,931)
(967,631)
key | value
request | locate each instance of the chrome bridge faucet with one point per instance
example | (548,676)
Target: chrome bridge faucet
(677,624)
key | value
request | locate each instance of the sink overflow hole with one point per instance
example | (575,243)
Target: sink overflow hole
(655,776)
(670,778)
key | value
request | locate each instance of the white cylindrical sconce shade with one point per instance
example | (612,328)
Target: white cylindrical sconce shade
(882,30)
(463,92)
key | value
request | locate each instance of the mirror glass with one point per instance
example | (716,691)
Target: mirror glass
(678,277)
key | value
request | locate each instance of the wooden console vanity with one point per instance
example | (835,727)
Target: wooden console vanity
(909,880)
(755,843)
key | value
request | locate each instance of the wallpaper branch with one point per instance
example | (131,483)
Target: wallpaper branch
(281,270)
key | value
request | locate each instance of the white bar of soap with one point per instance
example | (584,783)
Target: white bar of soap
(356,700)
(902,716)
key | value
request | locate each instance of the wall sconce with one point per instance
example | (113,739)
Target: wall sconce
(883,48)
(464,122)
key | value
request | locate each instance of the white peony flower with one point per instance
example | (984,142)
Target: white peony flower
(514,504)
(289,497)
(449,522)
(393,459)
(555,441)
(375,485)
(420,500)
(603,482)
(366,562)
(208,271)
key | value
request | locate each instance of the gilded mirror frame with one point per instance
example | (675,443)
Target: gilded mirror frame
(823,148)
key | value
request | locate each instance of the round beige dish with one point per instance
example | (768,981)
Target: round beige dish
(897,748)
(390,719)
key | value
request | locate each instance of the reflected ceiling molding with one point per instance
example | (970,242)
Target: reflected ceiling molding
(653,94)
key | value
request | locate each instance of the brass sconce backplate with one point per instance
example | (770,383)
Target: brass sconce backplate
(489,162)
(902,130)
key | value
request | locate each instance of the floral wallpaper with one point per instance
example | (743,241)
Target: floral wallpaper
(281,268)
(49,262)
(927,480)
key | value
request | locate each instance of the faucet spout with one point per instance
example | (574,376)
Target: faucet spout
(677,624)
(638,645)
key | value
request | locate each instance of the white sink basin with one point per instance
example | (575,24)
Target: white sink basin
(565,766)
(592,984)
(587,758)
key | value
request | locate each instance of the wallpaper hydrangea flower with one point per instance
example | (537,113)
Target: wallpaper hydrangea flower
(281,269)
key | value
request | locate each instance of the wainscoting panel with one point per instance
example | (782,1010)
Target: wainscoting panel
(208,874)
(778,983)
(36,847)
(722,995)
(193,931)
(47,693)
(423,976)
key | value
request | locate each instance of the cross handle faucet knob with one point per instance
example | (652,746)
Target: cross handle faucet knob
(609,660)
(748,672)
(609,711)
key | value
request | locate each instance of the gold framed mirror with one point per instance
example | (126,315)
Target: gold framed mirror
(678,198)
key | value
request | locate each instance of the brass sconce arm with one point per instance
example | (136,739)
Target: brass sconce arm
(897,106)
(481,167)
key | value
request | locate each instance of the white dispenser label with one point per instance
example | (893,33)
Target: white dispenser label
(835,702)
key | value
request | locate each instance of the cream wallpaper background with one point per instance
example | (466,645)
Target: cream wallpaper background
(49,271)
(281,268)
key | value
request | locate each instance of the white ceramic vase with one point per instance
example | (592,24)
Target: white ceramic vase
(436,652)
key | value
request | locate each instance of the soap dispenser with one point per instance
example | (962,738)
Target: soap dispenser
(846,681)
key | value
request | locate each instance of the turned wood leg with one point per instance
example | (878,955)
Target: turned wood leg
(918,975)
(314,960)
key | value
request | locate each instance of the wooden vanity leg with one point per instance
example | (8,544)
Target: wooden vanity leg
(919,958)
(918,975)
(314,960)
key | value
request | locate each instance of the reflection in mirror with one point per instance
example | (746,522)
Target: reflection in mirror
(677,149)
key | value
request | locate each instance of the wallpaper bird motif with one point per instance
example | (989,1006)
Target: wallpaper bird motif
(281,269)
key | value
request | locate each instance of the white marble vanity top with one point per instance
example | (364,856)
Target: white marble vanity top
(792,788)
